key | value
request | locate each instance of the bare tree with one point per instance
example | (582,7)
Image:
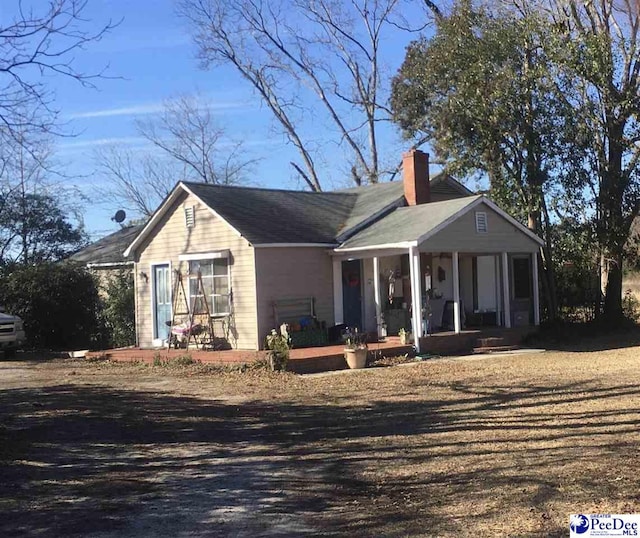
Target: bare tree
(290,49)
(188,146)
(187,132)
(133,182)
(35,41)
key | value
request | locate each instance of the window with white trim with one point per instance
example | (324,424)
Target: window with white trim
(216,284)
(481,222)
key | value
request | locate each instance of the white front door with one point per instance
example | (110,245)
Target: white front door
(161,301)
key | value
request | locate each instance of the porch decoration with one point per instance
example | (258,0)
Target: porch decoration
(355,349)
(279,345)
(405,336)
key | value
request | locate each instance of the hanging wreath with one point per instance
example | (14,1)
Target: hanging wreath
(353,280)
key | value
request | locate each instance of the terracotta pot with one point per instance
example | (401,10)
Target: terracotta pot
(356,358)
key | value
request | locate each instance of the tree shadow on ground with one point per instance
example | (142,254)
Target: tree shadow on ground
(94,460)
(584,337)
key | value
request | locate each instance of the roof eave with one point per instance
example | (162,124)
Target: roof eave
(298,245)
(385,246)
(107,265)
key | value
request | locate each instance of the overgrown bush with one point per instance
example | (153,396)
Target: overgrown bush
(118,310)
(576,269)
(58,302)
(279,346)
(631,307)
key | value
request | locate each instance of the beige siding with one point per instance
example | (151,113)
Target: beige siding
(172,238)
(461,236)
(293,272)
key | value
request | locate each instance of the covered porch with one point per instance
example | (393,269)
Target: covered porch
(439,268)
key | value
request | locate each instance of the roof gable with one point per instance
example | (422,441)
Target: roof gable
(410,226)
(446,187)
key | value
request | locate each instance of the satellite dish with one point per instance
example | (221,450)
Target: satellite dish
(119,216)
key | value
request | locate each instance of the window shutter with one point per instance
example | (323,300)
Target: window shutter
(481,222)
(189,216)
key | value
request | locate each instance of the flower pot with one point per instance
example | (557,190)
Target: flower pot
(356,358)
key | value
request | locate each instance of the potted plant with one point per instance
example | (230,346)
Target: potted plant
(278,344)
(405,336)
(355,348)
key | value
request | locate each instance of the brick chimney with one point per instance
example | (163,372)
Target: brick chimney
(415,173)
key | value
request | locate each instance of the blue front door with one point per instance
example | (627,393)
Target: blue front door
(161,300)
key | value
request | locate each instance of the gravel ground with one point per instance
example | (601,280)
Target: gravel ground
(504,446)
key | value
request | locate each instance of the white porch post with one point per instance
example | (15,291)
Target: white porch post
(416,295)
(456,294)
(376,294)
(338,314)
(536,290)
(505,290)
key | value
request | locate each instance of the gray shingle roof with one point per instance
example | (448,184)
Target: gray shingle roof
(273,216)
(109,249)
(279,216)
(407,224)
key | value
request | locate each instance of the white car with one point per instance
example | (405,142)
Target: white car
(12,335)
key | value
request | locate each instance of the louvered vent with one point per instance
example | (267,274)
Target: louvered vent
(481,222)
(189,216)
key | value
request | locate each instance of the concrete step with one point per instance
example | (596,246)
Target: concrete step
(491,341)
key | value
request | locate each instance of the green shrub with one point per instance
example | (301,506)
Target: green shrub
(279,345)
(118,309)
(58,302)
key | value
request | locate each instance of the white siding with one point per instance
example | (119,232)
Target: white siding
(487,283)
(444,287)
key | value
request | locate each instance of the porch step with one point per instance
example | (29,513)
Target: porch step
(494,349)
(493,344)
(491,341)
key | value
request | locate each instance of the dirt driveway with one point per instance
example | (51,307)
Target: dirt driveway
(507,446)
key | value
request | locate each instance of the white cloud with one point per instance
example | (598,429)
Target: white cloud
(136,110)
(82,144)
(147,108)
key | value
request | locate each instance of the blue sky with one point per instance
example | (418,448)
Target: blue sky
(151,57)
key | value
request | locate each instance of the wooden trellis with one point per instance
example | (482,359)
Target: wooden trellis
(191,322)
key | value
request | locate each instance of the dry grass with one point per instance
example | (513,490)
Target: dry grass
(506,446)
